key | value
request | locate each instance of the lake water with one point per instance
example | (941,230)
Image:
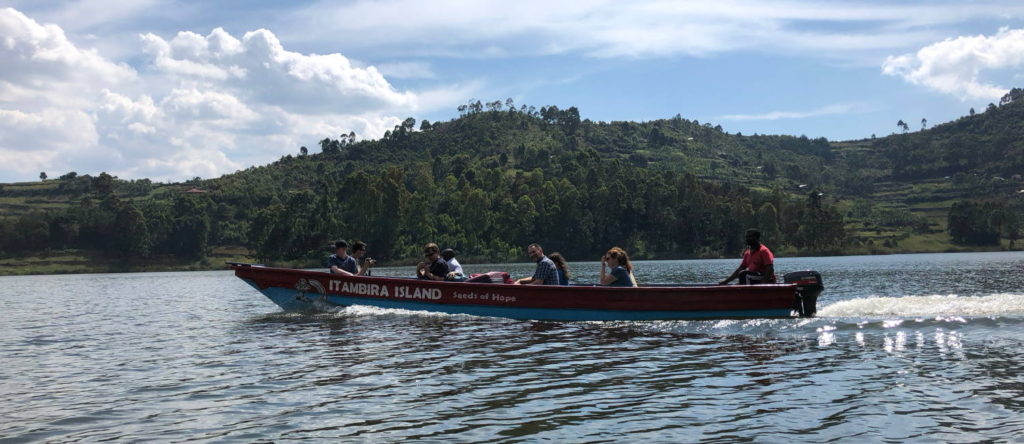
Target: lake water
(905,348)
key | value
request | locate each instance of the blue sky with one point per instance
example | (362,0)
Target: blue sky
(175,89)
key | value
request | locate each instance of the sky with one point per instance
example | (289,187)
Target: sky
(170,90)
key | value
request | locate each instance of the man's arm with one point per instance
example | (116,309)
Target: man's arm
(732,276)
(530,280)
(428,275)
(424,272)
(338,270)
(769,271)
(367,265)
(539,276)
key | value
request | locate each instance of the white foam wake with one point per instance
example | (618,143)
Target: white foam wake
(366,310)
(934,305)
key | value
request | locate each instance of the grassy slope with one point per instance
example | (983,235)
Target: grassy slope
(930,198)
(711,155)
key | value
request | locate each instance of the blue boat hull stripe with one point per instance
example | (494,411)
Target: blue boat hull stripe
(292,300)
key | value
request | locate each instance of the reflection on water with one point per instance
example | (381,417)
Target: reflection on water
(173,356)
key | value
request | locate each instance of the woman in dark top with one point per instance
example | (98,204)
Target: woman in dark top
(621,274)
(561,268)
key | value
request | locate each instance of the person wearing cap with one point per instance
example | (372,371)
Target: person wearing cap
(340,262)
(454,267)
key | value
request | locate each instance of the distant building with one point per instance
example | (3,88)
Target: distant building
(194,191)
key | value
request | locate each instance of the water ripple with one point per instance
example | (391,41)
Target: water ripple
(203,358)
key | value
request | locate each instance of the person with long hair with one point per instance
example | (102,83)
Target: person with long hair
(616,270)
(561,268)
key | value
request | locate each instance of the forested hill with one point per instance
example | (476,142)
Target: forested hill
(499,177)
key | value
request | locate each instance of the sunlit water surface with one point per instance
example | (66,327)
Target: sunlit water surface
(906,348)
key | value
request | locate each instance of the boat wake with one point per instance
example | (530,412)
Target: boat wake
(366,310)
(933,305)
(853,314)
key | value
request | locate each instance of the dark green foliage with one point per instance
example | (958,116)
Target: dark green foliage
(975,223)
(992,145)
(499,177)
(190,230)
(132,235)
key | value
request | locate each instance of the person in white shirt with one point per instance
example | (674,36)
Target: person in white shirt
(454,268)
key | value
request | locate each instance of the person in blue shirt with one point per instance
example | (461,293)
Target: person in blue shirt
(621,271)
(561,268)
(340,262)
(545,274)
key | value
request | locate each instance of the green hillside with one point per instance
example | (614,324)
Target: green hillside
(499,177)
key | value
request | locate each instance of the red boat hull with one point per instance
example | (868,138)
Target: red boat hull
(310,290)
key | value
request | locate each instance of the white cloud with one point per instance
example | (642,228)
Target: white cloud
(449,96)
(189,54)
(35,58)
(955,66)
(776,115)
(64,130)
(407,70)
(646,28)
(259,66)
(198,105)
(127,109)
(192,104)
(185,161)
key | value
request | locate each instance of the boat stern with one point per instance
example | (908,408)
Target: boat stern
(808,287)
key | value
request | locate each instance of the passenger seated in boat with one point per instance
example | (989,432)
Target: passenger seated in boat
(758,265)
(561,268)
(340,262)
(546,273)
(455,272)
(621,271)
(358,252)
(434,268)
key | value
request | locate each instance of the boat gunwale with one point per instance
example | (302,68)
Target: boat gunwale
(654,289)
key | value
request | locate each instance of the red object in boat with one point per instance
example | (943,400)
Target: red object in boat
(312,290)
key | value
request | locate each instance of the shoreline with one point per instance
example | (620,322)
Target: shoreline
(85,262)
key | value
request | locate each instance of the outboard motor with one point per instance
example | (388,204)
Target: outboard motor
(808,287)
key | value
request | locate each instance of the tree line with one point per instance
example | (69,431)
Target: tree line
(499,177)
